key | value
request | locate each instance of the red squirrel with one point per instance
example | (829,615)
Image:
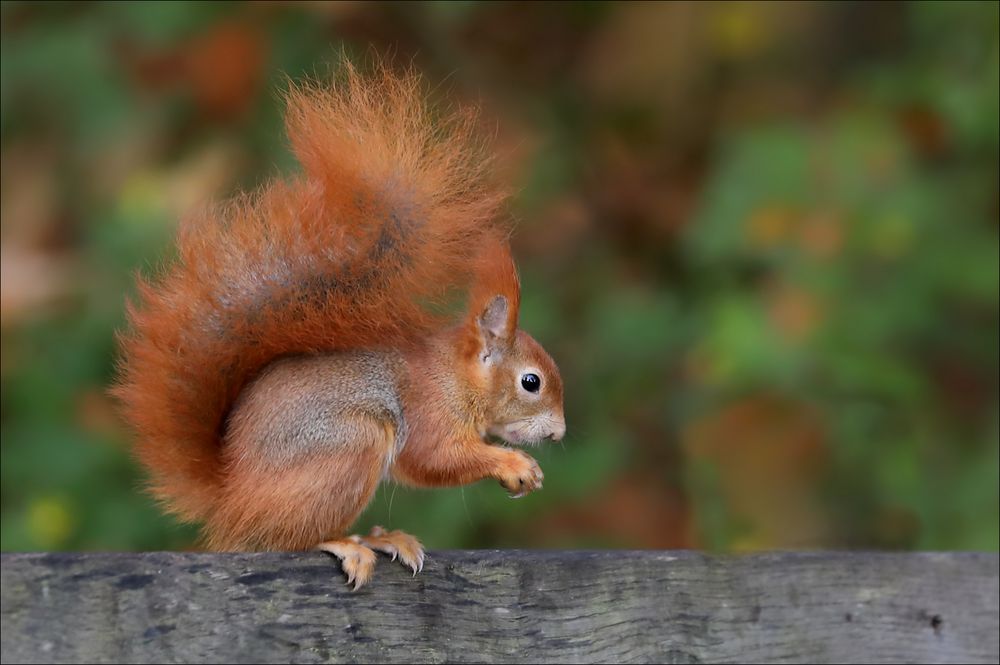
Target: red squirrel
(296,353)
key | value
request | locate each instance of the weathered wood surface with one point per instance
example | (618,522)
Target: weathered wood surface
(502,606)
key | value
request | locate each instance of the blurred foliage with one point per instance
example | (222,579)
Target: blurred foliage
(761,240)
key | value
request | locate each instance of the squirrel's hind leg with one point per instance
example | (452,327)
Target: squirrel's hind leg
(397,544)
(300,504)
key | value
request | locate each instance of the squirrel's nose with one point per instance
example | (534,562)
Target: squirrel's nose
(558,431)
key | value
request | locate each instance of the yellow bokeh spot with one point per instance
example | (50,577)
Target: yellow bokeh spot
(142,195)
(737,30)
(750,543)
(49,522)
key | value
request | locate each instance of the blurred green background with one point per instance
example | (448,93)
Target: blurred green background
(761,240)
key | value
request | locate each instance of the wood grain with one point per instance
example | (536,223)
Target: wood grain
(502,606)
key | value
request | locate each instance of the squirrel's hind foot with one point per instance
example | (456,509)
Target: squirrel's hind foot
(357,553)
(397,544)
(357,561)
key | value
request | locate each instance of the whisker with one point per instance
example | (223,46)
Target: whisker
(391,497)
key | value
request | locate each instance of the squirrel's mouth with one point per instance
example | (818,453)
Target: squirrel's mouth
(527,432)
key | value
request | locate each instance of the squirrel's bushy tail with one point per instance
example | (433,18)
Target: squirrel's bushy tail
(391,206)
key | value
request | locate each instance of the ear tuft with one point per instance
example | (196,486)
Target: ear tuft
(493,302)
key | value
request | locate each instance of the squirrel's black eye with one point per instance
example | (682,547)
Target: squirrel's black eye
(531,383)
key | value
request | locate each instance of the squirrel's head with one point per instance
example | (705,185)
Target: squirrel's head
(520,390)
(524,392)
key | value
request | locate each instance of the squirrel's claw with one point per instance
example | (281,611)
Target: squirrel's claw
(420,564)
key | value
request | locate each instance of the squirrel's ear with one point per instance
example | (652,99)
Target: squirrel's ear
(493,320)
(495,299)
(495,329)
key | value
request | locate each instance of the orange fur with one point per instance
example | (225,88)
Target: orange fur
(347,255)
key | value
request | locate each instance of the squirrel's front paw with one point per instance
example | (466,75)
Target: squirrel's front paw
(519,473)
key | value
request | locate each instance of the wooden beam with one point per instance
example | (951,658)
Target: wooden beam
(502,606)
